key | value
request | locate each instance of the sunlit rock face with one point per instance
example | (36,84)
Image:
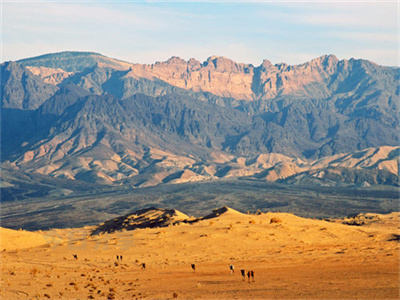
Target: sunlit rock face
(82,115)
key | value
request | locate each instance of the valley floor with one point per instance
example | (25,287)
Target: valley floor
(292,257)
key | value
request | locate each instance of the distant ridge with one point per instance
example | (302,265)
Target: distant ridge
(60,54)
(321,77)
(85,116)
(71,61)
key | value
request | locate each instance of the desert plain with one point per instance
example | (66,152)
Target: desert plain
(292,258)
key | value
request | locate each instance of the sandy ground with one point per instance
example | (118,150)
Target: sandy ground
(292,257)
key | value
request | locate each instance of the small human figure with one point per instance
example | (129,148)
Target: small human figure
(143,266)
(75,256)
(193,267)
(248,276)
(252,275)
(232,268)
(243,272)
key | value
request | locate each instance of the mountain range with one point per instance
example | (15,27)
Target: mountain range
(87,117)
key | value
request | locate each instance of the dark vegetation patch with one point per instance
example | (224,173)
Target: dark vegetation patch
(197,199)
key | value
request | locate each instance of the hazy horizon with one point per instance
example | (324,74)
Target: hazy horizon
(146,32)
(184,58)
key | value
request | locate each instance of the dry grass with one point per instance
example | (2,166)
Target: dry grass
(275,220)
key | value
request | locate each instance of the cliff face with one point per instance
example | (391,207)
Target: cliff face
(20,89)
(217,75)
(226,78)
(50,75)
(319,78)
(86,116)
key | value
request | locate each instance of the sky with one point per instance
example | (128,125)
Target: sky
(148,31)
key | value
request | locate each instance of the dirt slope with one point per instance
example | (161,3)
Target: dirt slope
(292,257)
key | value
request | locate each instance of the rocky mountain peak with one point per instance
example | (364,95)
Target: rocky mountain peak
(326,58)
(111,121)
(266,64)
(218,75)
(173,60)
(194,64)
(327,62)
(223,64)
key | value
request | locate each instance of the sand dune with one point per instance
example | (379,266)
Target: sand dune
(20,239)
(292,257)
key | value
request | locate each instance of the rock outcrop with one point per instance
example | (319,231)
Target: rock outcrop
(145,218)
(81,115)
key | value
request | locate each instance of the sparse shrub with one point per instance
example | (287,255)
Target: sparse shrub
(175,295)
(34,271)
(354,222)
(275,220)
(252,222)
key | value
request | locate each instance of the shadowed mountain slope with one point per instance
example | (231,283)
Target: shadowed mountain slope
(20,89)
(320,78)
(108,121)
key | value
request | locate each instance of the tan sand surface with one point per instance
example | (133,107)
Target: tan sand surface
(21,239)
(292,257)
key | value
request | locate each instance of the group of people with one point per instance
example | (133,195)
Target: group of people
(142,265)
(250,273)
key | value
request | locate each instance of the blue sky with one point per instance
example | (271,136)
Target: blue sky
(149,31)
